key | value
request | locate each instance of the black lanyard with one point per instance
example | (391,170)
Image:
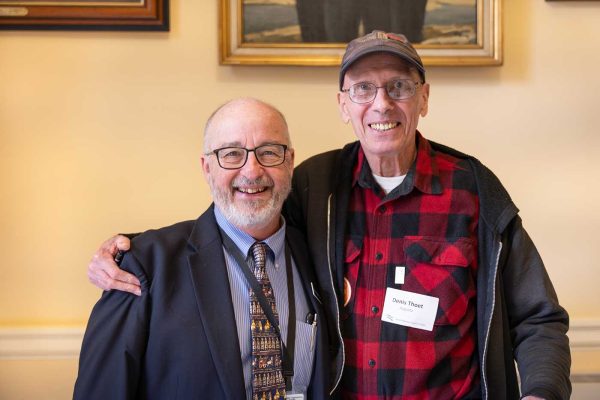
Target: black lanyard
(287,356)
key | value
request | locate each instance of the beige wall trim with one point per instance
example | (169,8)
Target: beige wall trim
(584,335)
(40,342)
(61,342)
(585,378)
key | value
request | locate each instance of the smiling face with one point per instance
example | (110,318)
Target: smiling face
(386,128)
(250,197)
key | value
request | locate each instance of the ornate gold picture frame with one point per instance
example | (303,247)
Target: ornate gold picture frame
(275,32)
(150,15)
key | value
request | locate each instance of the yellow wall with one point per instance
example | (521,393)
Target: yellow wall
(100,132)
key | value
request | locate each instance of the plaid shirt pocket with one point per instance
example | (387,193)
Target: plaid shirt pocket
(442,268)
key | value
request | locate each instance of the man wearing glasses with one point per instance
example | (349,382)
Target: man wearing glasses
(227,309)
(426,269)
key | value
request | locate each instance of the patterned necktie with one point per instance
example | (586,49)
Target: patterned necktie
(267,372)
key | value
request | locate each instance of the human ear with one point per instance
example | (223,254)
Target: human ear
(342,107)
(291,158)
(424,100)
(205,167)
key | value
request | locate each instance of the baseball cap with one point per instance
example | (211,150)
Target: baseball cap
(379,41)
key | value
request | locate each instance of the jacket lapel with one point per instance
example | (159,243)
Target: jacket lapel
(213,297)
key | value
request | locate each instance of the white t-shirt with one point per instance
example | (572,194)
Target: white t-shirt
(389,183)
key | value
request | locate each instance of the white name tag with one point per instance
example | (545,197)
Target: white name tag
(294,396)
(409,309)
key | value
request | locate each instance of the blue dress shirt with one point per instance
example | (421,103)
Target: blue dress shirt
(276,269)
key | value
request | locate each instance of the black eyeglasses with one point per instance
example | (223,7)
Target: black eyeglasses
(267,155)
(397,89)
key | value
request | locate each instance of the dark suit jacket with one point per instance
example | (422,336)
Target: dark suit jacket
(179,339)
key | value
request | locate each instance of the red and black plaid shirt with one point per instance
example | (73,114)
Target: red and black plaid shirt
(428,224)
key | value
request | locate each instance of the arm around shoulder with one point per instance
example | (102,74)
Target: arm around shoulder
(104,271)
(114,343)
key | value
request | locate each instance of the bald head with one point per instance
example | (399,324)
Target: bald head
(249,196)
(240,112)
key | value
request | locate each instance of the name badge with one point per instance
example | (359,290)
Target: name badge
(409,309)
(294,396)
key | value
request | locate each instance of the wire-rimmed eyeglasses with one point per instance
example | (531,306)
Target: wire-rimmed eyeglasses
(397,89)
(267,155)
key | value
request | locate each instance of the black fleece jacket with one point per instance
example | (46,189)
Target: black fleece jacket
(518,314)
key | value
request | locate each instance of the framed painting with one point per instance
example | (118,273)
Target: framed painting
(315,32)
(85,14)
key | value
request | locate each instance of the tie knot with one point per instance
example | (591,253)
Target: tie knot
(259,254)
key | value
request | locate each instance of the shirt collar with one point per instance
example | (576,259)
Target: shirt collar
(244,241)
(423,174)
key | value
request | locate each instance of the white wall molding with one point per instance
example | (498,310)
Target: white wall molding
(584,337)
(40,342)
(65,342)
(584,334)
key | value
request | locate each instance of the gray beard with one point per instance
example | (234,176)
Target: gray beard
(250,214)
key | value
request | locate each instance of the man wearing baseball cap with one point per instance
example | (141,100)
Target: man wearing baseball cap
(431,281)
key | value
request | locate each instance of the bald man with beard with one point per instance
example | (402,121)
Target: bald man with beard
(193,333)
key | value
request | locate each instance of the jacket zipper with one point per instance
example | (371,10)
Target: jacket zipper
(337,308)
(487,333)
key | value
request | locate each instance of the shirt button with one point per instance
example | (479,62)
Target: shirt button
(371,363)
(382,209)
(375,309)
(378,256)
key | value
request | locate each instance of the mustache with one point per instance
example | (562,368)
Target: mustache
(243,181)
